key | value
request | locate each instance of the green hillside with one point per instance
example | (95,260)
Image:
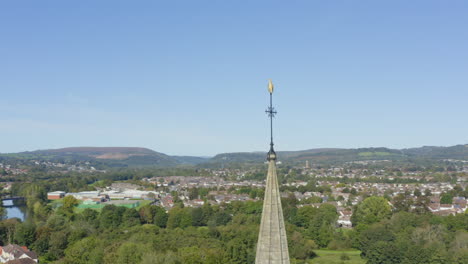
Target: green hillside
(103,157)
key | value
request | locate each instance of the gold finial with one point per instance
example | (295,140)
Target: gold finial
(270,86)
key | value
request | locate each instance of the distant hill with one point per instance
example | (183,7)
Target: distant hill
(108,156)
(336,155)
(322,155)
(118,153)
(139,157)
(240,157)
(190,159)
(125,154)
(454,152)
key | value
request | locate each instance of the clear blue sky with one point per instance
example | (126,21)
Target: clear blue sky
(190,77)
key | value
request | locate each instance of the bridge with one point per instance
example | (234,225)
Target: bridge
(12,198)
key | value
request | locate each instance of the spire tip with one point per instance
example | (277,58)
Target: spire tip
(270,86)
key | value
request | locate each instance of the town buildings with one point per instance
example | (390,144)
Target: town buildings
(12,253)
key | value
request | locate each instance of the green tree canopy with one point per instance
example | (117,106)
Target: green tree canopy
(373,209)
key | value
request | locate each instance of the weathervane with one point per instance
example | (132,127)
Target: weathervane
(271,113)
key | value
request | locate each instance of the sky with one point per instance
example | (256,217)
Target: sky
(190,77)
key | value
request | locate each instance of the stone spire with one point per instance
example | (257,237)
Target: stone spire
(272,246)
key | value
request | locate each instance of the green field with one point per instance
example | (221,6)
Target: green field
(377,153)
(334,257)
(142,203)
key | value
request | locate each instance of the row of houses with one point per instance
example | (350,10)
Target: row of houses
(14,254)
(458,205)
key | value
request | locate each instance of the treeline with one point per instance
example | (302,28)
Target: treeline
(408,237)
(75,182)
(39,174)
(228,233)
(209,234)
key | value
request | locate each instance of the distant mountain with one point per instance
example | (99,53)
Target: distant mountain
(139,157)
(117,153)
(336,155)
(253,157)
(109,156)
(239,157)
(454,152)
(315,155)
(190,159)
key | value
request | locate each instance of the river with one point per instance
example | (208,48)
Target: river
(15,209)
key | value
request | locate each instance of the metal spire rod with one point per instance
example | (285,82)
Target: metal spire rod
(271,113)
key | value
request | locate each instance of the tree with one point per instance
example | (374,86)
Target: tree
(69,201)
(417,192)
(319,222)
(88,215)
(197,217)
(325,235)
(160,217)
(446,198)
(421,206)
(7,230)
(458,190)
(179,217)
(304,216)
(328,213)
(111,216)
(57,244)
(299,247)
(383,252)
(168,257)
(41,244)
(401,203)
(41,212)
(459,247)
(222,217)
(32,192)
(289,205)
(87,250)
(370,236)
(146,214)
(207,212)
(427,245)
(371,210)
(57,222)
(239,252)
(130,217)
(129,253)
(25,234)
(2,212)
(193,193)
(427,192)
(314,199)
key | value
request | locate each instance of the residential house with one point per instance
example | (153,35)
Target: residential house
(14,252)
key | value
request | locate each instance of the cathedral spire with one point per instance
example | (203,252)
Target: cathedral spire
(272,245)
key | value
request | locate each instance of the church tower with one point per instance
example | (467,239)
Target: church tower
(272,246)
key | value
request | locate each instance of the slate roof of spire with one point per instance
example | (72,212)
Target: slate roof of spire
(272,246)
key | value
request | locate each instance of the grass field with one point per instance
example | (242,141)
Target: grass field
(375,153)
(334,257)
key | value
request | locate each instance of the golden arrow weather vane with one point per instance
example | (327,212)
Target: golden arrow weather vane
(270,86)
